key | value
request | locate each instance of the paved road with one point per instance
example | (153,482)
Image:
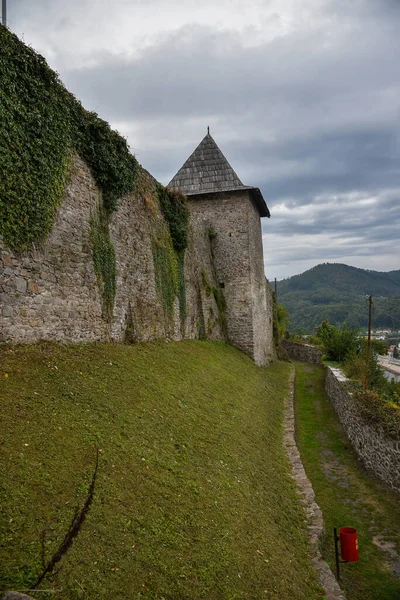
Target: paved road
(390,365)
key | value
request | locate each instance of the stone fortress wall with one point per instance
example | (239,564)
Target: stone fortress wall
(51,292)
(121,257)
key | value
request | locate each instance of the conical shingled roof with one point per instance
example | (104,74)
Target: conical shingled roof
(207,171)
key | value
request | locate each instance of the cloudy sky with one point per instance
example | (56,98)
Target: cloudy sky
(303,98)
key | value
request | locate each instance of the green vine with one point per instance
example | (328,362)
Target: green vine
(166,273)
(104,261)
(40,124)
(106,152)
(181,286)
(174,208)
(169,262)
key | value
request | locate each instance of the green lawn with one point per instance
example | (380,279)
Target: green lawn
(347,495)
(193,498)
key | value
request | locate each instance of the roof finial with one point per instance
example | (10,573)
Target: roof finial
(208,130)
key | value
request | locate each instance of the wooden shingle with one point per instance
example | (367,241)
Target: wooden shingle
(207,171)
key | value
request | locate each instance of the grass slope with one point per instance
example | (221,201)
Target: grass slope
(193,497)
(347,495)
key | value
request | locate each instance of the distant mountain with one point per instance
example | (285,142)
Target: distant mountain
(338,293)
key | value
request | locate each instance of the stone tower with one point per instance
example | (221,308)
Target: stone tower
(226,214)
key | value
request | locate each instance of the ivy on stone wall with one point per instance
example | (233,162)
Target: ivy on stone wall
(181,286)
(169,263)
(107,154)
(166,273)
(104,260)
(40,124)
(174,208)
(34,143)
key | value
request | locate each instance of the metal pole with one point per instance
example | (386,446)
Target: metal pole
(369,322)
(336,554)
(369,342)
(275,290)
(4,12)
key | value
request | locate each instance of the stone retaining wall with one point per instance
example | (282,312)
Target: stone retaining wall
(303,352)
(378,453)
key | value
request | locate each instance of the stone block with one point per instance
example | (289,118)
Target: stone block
(36,322)
(33,287)
(7,260)
(20,284)
(7,311)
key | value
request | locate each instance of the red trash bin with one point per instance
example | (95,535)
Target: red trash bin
(348,544)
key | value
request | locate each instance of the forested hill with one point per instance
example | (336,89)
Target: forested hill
(338,293)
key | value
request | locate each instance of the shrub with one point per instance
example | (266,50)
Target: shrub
(280,321)
(340,343)
(364,367)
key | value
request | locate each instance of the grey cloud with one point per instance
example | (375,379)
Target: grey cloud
(189,74)
(339,162)
(312,118)
(378,217)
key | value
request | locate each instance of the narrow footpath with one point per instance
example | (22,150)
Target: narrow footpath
(346,494)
